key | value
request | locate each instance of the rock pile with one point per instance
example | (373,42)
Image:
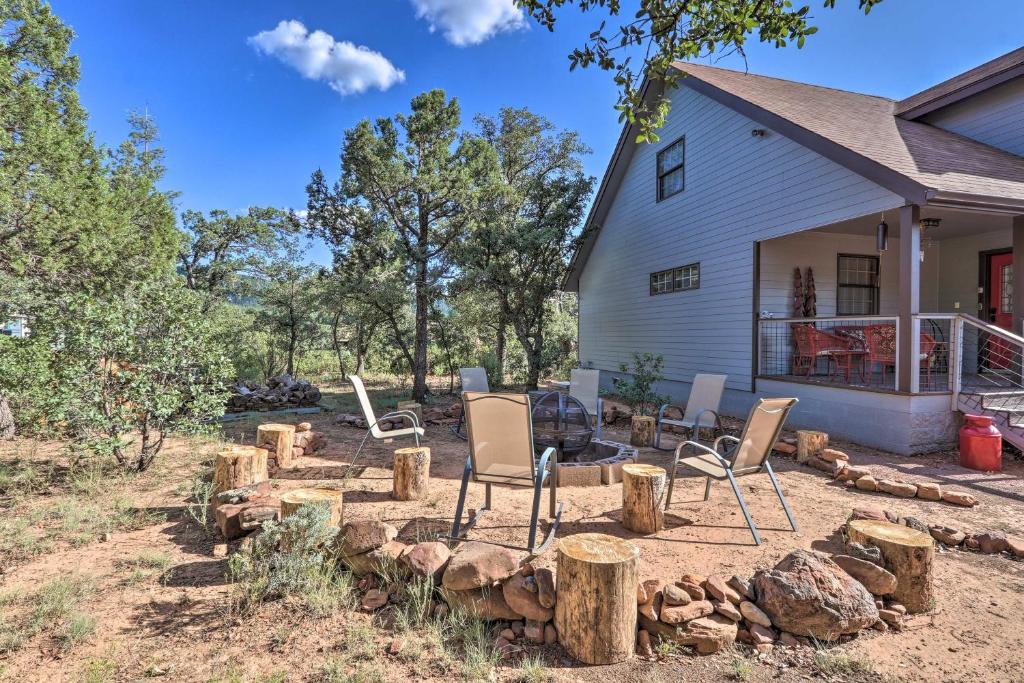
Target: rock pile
(307,441)
(837,464)
(434,415)
(241,511)
(278,393)
(987,542)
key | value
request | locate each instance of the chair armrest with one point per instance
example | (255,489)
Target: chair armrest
(718,419)
(665,408)
(544,458)
(724,437)
(401,413)
(699,446)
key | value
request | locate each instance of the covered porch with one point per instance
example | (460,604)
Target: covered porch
(921,305)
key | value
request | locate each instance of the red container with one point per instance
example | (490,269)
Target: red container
(981,444)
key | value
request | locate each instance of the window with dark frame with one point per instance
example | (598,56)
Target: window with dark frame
(671,163)
(676,279)
(857,287)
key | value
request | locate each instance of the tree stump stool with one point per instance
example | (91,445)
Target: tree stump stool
(641,431)
(810,444)
(595,614)
(907,553)
(279,440)
(412,473)
(643,498)
(296,499)
(236,467)
(412,407)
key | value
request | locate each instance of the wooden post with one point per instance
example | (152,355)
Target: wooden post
(641,431)
(908,336)
(643,498)
(413,407)
(236,467)
(595,614)
(412,473)
(810,445)
(294,500)
(279,440)
(907,553)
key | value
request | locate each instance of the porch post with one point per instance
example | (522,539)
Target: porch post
(909,327)
(1018,275)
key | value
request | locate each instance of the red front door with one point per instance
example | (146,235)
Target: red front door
(1000,307)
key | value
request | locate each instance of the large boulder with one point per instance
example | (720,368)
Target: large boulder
(877,580)
(521,594)
(484,603)
(364,535)
(427,559)
(475,564)
(808,594)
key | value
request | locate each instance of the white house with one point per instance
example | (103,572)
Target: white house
(907,214)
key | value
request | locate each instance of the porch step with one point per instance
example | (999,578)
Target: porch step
(1007,413)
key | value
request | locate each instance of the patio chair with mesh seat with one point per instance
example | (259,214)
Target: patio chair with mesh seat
(747,454)
(500,432)
(584,386)
(472,379)
(701,410)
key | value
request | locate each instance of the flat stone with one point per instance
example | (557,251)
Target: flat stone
(891,617)
(897,488)
(808,594)
(727,609)
(877,580)
(374,599)
(365,535)
(534,632)
(544,579)
(503,648)
(695,590)
(784,448)
(706,635)
(915,524)
(754,614)
(761,635)
(518,628)
(853,473)
(870,513)
(508,634)
(719,589)
(674,596)
(652,605)
(484,603)
(643,643)
(867,483)
(641,594)
(550,634)
(991,542)
(868,553)
(427,559)
(834,455)
(1015,545)
(523,601)
(475,564)
(742,586)
(789,640)
(929,491)
(683,613)
(959,498)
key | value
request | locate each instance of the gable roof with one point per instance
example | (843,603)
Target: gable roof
(962,86)
(922,163)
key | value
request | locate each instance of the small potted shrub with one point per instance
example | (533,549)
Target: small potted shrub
(638,394)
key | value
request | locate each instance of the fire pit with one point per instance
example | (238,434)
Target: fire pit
(561,422)
(600,463)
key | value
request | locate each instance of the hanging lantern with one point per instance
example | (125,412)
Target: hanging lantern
(882,235)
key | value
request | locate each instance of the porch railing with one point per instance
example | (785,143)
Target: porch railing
(990,370)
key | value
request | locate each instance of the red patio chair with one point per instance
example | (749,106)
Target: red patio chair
(812,344)
(881,341)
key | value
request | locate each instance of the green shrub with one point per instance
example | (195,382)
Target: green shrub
(637,392)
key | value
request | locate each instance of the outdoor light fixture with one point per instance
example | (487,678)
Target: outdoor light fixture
(759,132)
(882,235)
(928,223)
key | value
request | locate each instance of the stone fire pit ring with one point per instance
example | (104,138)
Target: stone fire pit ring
(600,464)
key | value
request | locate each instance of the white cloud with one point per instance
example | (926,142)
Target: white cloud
(346,67)
(470,22)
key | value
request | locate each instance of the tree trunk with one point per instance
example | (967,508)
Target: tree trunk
(643,498)
(641,431)
(296,499)
(412,473)
(279,440)
(907,554)
(499,353)
(6,420)
(419,366)
(595,613)
(236,467)
(335,323)
(810,445)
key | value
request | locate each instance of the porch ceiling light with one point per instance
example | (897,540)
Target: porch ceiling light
(929,223)
(882,235)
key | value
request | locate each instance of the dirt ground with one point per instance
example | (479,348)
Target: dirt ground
(176,625)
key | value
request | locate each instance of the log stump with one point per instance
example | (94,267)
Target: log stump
(641,431)
(907,553)
(643,498)
(296,499)
(810,444)
(279,439)
(412,473)
(595,614)
(413,407)
(236,467)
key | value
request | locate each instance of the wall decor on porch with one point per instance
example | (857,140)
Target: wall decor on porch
(798,294)
(810,296)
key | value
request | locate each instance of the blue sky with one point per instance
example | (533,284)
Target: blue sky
(244,126)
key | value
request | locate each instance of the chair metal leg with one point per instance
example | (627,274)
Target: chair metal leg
(672,480)
(462,497)
(707,489)
(782,498)
(600,414)
(538,487)
(356,456)
(743,507)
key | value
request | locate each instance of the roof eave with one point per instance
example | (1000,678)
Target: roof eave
(968,90)
(975,202)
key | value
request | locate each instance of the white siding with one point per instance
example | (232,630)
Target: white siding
(995,117)
(739,189)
